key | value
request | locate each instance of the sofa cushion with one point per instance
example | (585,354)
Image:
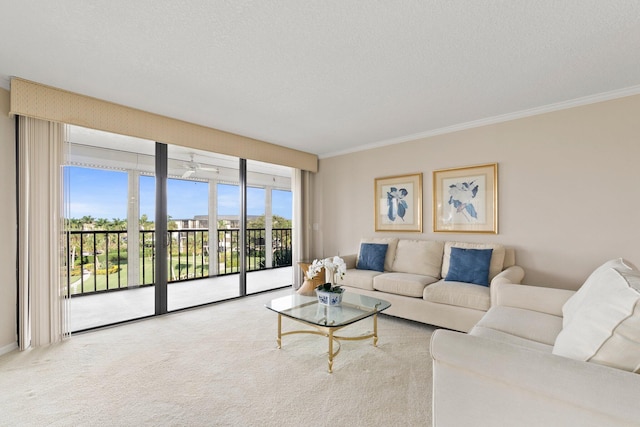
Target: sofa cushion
(419,257)
(392,243)
(497,256)
(526,324)
(371,256)
(362,279)
(469,266)
(411,285)
(604,319)
(504,337)
(458,294)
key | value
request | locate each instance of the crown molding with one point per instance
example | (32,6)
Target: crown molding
(585,100)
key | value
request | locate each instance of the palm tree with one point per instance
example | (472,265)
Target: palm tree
(87,220)
(118,224)
(145,224)
(102,223)
(74,224)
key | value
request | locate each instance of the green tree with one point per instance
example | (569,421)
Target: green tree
(86,220)
(171,224)
(257,223)
(118,224)
(145,224)
(102,223)
(281,222)
(276,222)
(74,224)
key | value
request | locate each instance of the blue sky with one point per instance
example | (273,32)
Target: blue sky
(103,194)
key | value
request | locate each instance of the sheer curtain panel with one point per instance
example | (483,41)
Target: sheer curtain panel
(302,227)
(42,304)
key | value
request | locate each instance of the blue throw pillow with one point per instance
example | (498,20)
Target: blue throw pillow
(372,256)
(469,266)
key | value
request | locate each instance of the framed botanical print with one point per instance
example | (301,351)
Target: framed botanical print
(465,200)
(398,203)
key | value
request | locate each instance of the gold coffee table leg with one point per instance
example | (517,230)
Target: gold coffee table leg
(330,350)
(334,341)
(279,330)
(375,330)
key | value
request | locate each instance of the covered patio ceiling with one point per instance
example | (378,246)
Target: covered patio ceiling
(97,149)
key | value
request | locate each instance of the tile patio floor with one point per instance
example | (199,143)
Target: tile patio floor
(95,310)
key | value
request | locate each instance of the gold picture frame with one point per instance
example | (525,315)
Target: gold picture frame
(398,203)
(465,200)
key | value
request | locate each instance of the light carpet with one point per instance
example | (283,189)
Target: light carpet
(220,366)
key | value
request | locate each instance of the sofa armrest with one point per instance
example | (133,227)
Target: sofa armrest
(536,298)
(477,381)
(513,274)
(350,260)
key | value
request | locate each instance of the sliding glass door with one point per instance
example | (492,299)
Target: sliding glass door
(110,244)
(203,207)
(209,244)
(268,225)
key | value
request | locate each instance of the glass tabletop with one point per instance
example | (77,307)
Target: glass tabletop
(354,307)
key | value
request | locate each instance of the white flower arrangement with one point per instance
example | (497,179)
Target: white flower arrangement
(337,268)
(314,268)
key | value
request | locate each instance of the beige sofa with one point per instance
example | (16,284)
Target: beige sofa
(413,281)
(545,357)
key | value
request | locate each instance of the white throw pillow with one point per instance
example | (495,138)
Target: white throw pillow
(497,257)
(573,304)
(604,319)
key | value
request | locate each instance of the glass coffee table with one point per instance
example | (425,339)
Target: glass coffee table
(327,320)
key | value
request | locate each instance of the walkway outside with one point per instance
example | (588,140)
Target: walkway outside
(101,309)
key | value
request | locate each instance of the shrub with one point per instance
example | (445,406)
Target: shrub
(103,271)
(282,257)
(113,257)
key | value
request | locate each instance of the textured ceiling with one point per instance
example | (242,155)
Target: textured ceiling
(327,76)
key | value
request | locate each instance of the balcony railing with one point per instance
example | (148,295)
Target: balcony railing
(98,261)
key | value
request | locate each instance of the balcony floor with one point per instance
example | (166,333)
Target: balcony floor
(101,309)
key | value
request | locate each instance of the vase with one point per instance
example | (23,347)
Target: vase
(329,298)
(308,287)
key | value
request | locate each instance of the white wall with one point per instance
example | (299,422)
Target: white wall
(569,188)
(8,287)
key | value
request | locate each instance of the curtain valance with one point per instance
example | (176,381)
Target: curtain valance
(56,105)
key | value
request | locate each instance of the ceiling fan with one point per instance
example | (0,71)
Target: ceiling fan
(192,167)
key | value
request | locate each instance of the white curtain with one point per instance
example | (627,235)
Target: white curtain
(302,227)
(41,288)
